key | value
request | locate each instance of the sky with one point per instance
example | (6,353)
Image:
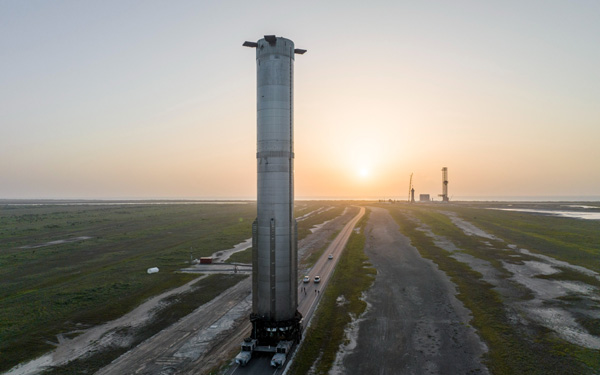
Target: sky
(157,99)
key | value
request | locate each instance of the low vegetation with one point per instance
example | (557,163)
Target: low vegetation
(244,256)
(340,303)
(312,258)
(47,288)
(316,218)
(514,347)
(177,306)
(575,241)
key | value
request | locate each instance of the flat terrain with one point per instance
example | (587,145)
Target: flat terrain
(414,323)
(529,279)
(74,273)
(67,267)
(460,288)
(500,288)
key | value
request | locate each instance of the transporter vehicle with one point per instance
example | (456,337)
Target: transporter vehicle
(306,279)
(317,279)
(282,350)
(245,355)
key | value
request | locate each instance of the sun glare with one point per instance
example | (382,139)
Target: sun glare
(363,172)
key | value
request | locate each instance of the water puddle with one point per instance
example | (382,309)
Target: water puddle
(580,206)
(569,214)
(557,319)
(468,228)
(318,226)
(560,263)
(561,322)
(57,242)
(222,255)
(317,211)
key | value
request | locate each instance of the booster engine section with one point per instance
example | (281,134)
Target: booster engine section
(275,315)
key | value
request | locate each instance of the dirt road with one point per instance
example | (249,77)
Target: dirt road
(212,333)
(188,340)
(414,324)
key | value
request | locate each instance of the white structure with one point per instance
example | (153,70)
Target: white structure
(274,239)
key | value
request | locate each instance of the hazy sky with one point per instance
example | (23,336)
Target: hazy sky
(153,99)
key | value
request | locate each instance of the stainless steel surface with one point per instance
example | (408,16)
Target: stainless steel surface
(274,287)
(310,294)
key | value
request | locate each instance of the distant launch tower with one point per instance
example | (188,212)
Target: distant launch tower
(444,194)
(275,315)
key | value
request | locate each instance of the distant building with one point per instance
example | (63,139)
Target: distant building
(424,198)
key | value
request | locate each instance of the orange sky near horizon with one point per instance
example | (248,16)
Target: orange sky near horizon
(155,100)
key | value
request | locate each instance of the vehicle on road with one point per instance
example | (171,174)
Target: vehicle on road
(278,360)
(330,256)
(283,348)
(317,279)
(245,355)
(306,279)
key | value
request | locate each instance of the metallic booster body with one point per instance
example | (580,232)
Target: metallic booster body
(274,232)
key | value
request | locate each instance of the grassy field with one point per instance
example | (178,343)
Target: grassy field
(572,240)
(46,290)
(514,347)
(179,305)
(67,267)
(319,218)
(304,226)
(244,256)
(312,258)
(323,338)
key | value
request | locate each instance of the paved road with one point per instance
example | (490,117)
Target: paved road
(308,293)
(212,333)
(307,298)
(415,324)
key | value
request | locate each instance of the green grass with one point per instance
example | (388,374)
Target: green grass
(323,338)
(321,217)
(572,240)
(179,306)
(54,289)
(568,274)
(513,348)
(244,256)
(312,258)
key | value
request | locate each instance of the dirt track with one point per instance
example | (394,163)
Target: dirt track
(210,335)
(182,345)
(414,323)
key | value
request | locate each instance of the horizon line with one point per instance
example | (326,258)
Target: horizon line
(474,198)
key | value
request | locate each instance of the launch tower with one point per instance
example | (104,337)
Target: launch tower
(444,194)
